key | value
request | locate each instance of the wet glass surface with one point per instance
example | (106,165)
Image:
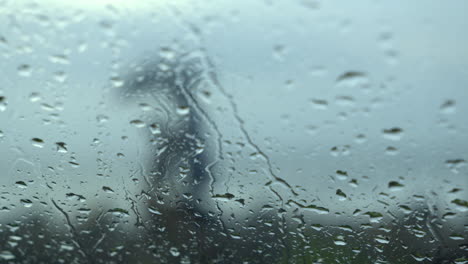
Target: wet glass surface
(233,132)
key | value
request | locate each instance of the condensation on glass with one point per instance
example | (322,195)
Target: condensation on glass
(296,131)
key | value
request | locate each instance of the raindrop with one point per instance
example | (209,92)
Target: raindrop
(34,97)
(350,76)
(461,204)
(74,164)
(154,128)
(117,82)
(102,118)
(455,164)
(278,51)
(6,255)
(26,202)
(456,237)
(60,76)
(205,96)
(344,100)
(319,103)
(448,107)
(24,70)
(118,212)
(79,197)
(145,107)
(154,211)
(455,190)
(61,147)
(37,142)
(137,123)
(341,175)
(406,209)
(21,184)
(167,53)
(174,251)
(449,215)
(3,103)
(394,133)
(107,189)
(59,59)
(342,196)
(353,183)
(183,110)
(375,217)
(360,138)
(382,240)
(395,186)
(47,107)
(227,196)
(391,151)
(67,247)
(339,241)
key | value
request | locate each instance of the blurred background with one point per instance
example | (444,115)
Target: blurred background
(233,132)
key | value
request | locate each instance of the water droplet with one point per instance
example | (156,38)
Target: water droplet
(26,202)
(154,211)
(118,212)
(6,255)
(339,241)
(59,59)
(102,118)
(21,184)
(107,189)
(37,142)
(319,103)
(24,70)
(67,247)
(375,217)
(462,205)
(79,197)
(3,103)
(360,138)
(344,100)
(353,183)
(61,147)
(174,251)
(350,76)
(167,53)
(391,151)
(406,209)
(74,164)
(342,196)
(449,215)
(117,82)
(394,133)
(60,76)
(47,107)
(382,240)
(34,97)
(205,96)
(145,107)
(395,186)
(456,237)
(455,164)
(137,123)
(183,110)
(341,175)
(448,107)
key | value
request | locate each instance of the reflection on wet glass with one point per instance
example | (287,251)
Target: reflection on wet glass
(243,132)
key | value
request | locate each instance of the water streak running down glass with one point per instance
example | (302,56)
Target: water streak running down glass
(298,131)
